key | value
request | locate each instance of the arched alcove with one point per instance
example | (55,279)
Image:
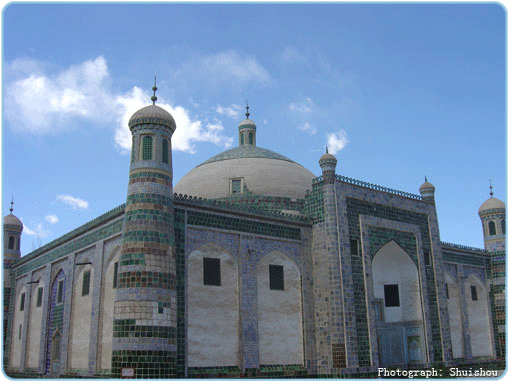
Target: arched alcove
(478,315)
(212,307)
(279,309)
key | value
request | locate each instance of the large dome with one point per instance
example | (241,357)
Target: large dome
(262,171)
(247,169)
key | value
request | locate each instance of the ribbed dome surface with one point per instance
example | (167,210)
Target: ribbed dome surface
(427,186)
(12,220)
(152,114)
(491,204)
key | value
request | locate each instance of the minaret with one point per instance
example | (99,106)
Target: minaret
(12,238)
(492,214)
(328,162)
(247,131)
(145,313)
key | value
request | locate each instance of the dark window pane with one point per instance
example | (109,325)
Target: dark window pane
(86,283)
(60,292)
(39,296)
(212,272)
(503,226)
(115,274)
(447,292)
(492,228)
(11,242)
(474,293)
(391,298)
(354,247)
(426,255)
(276,277)
(165,151)
(22,303)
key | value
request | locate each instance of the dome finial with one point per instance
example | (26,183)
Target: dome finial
(490,187)
(12,203)
(154,88)
(247,110)
(426,179)
(326,148)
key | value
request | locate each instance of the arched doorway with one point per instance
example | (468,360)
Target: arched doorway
(398,307)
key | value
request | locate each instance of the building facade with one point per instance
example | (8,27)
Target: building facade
(252,267)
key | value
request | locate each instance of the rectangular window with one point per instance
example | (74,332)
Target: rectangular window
(391,298)
(86,284)
(275,277)
(20,328)
(60,292)
(212,272)
(22,303)
(426,255)
(236,186)
(39,296)
(447,292)
(115,274)
(474,293)
(354,247)
(147,148)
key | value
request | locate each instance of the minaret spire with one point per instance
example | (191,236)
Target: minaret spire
(154,88)
(12,203)
(247,110)
(490,187)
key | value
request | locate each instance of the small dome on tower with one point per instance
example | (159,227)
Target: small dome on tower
(152,114)
(12,220)
(247,124)
(492,205)
(427,187)
(327,159)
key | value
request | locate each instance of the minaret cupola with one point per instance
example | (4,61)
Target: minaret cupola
(427,191)
(12,238)
(247,131)
(493,216)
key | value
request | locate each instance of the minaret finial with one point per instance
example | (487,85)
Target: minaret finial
(426,179)
(12,203)
(326,149)
(154,88)
(247,110)
(490,187)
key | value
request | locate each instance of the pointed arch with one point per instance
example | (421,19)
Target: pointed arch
(55,320)
(478,317)
(455,315)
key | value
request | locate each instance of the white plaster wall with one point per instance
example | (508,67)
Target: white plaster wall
(392,265)
(213,311)
(106,315)
(478,315)
(280,329)
(454,313)
(78,354)
(34,328)
(16,342)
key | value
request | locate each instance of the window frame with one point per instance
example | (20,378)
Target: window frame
(276,278)
(85,287)
(144,155)
(40,292)
(212,271)
(241,185)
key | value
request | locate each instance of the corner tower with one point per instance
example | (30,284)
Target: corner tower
(145,313)
(492,214)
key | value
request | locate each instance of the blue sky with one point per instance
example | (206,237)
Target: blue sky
(397,92)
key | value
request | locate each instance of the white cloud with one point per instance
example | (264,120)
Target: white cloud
(308,127)
(232,111)
(291,55)
(304,107)
(38,231)
(337,141)
(75,203)
(37,102)
(42,103)
(52,218)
